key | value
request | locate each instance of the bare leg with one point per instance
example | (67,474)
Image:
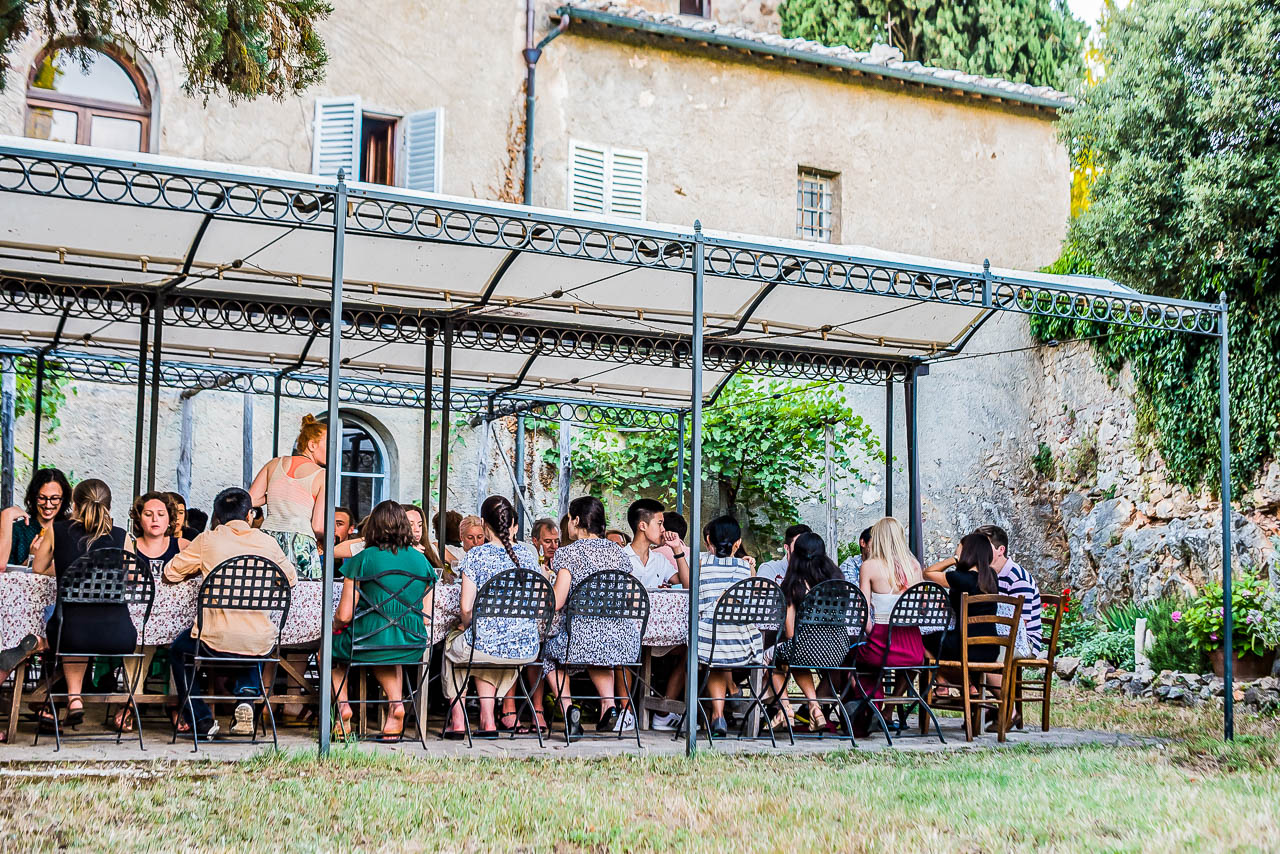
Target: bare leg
(717,683)
(675,682)
(74,669)
(391,681)
(602,679)
(487,692)
(340,686)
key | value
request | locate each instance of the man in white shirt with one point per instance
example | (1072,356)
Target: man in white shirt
(776,570)
(647,563)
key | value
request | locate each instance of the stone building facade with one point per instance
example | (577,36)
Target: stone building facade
(674,117)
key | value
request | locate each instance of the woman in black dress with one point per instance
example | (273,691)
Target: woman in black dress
(968,572)
(99,629)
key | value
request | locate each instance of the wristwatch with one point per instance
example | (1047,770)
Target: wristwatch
(678,556)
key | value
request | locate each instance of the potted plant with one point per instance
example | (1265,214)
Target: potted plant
(1255,629)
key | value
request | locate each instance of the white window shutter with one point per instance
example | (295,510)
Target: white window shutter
(422,149)
(588,181)
(335,142)
(628,171)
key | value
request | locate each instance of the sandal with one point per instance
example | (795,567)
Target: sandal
(785,713)
(514,726)
(75,716)
(817,720)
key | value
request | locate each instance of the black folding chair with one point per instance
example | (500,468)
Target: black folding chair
(614,596)
(517,594)
(242,583)
(107,576)
(830,621)
(922,607)
(395,610)
(753,602)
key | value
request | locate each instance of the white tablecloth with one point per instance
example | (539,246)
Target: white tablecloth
(24,597)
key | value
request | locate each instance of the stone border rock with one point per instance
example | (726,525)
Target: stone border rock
(1261,696)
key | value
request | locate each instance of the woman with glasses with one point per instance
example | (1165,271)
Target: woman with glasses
(22,528)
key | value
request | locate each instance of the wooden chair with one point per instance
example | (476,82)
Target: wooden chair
(987,696)
(1038,690)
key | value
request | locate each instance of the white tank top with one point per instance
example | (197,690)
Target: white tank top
(290,501)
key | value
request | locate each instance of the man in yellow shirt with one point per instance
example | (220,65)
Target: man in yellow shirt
(230,632)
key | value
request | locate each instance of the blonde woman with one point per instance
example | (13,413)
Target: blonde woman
(292,488)
(890,569)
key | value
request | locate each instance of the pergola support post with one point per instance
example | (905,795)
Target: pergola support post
(157,345)
(8,421)
(680,464)
(916,523)
(828,450)
(246,439)
(888,444)
(276,389)
(1224,473)
(565,469)
(333,464)
(428,371)
(41,359)
(695,510)
(521,520)
(141,408)
(442,503)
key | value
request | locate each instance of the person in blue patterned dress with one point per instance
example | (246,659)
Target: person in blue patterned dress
(497,640)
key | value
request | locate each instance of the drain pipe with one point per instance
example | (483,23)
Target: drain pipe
(532,53)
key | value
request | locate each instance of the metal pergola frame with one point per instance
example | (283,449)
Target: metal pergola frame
(340,210)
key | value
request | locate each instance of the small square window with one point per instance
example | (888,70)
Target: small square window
(700,8)
(816,206)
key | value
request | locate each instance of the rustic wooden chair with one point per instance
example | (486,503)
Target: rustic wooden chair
(982,695)
(1038,690)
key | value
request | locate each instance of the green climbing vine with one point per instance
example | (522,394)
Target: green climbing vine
(763,444)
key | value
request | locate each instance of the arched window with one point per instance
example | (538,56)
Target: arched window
(88,97)
(364,468)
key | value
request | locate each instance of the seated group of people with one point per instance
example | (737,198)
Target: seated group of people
(52,532)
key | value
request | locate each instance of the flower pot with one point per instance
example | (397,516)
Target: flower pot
(1245,667)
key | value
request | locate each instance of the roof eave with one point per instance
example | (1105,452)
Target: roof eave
(869,69)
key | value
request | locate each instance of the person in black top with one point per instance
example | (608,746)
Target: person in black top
(156,538)
(48,499)
(968,572)
(97,629)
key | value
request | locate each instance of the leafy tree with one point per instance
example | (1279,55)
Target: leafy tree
(1034,41)
(237,48)
(761,439)
(56,385)
(1184,132)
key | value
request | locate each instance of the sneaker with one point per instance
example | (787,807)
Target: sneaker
(626,722)
(207,729)
(669,722)
(243,724)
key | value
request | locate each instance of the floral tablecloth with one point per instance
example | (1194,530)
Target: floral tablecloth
(24,597)
(668,615)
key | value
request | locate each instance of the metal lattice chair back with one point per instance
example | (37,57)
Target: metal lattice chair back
(395,611)
(835,602)
(107,577)
(517,594)
(925,606)
(753,601)
(245,583)
(610,594)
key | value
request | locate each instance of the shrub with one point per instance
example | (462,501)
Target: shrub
(1114,647)
(1256,608)
(1170,647)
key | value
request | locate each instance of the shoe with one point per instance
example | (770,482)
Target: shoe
(573,723)
(243,723)
(626,722)
(608,718)
(12,657)
(455,734)
(207,729)
(669,722)
(719,728)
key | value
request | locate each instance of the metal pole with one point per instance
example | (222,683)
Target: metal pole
(888,445)
(428,371)
(520,482)
(680,464)
(333,463)
(913,468)
(142,403)
(828,441)
(566,467)
(1224,443)
(442,502)
(695,510)
(35,443)
(157,350)
(8,409)
(275,416)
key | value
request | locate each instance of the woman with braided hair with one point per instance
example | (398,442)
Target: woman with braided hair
(496,640)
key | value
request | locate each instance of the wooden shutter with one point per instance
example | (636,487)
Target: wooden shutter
(422,138)
(335,141)
(588,187)
(627,175)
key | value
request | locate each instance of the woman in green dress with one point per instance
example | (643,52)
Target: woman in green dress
(386,590)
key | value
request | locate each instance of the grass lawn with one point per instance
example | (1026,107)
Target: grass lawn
(1190,794)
